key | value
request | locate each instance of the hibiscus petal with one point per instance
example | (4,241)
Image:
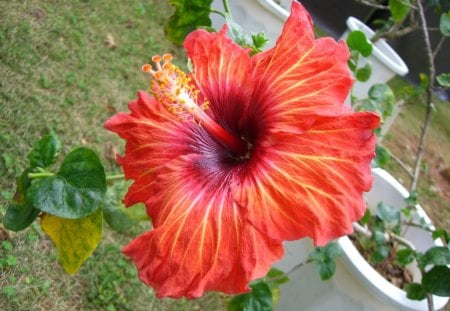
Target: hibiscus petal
(221,70)
(154,138)
(201,239)
(300,76)
(311,184)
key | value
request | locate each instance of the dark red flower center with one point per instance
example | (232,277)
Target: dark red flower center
(176,92)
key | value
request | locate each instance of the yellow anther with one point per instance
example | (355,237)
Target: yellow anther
(167,57)
(167,66)
(146,68)
(156,58)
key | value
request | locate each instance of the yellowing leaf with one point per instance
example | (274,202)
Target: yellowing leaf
(75,239)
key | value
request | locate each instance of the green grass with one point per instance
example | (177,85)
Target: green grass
(402,140)
(59,73)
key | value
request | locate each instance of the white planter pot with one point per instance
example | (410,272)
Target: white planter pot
(256,16)
(356,285)
(386,63)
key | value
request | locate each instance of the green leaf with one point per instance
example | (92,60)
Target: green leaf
(415,291)
(259,40)
(399,9)
(363,74)
(404,256)
(437,281)
(278,275)
(19,216)
(444,79)
(381,100)
(19,213)
(411,200)
(353,61)
(381,252)
(383,156)
(189,15)
(77,189)
(444,24)
(11,261)
(366,218)
(259,299)
(406,212)
(382,92)
(366,242)
(326,268)
(116,215)
(357,40)
(388,213)
(438,255)
(383,96)
(75,239)
(274,279)
(45,151)
(323,259)
(441,233)
(378,237)
(6,245)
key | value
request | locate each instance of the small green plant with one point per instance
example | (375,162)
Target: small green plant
(379,240)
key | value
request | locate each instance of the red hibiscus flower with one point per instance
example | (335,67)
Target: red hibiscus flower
(242,154)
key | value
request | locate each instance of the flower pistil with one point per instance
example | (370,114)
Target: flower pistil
(175,90)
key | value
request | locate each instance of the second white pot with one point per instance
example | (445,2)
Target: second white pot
(386,63)
(356,285)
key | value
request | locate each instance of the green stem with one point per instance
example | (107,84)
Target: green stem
(280,277)
(226,6)
(40,175)
(115,177)
(218,12)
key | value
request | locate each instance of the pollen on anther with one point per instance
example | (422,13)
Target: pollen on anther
(167,57)
(158,75)
(146,68)
(156,58)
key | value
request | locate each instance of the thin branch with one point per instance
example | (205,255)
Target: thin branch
(405,167)
(299,266)
(405,31)
(218,12)
(394,32)
(438,46)
(226,6)
(430,302)
(280,277)
(389,236)
(429,93)
(115,177)
(373,5)
(417,225)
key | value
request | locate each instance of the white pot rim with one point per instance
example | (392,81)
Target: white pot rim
(374,280)
(381,50)
(276,9)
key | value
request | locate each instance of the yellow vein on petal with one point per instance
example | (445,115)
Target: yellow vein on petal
(295,66)
(304,96)
(330,169)
(275,53)
(269,201)
(303,81)
(316,158)
(201,227)
(303,185)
